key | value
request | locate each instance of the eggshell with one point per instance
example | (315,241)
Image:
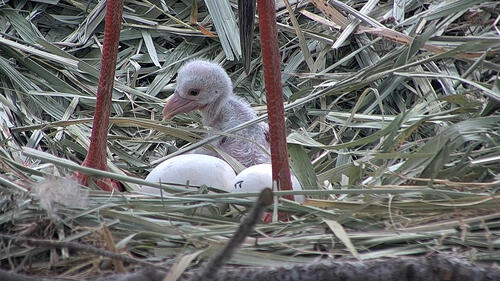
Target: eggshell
(258,177)
(195,169)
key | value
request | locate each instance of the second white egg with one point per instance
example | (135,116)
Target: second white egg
(258,177)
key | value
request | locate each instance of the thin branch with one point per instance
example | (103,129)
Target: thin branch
(75,246)
(246,226)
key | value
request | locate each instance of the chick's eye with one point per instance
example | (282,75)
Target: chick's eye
(194,93)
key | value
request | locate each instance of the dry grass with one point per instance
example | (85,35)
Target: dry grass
(394,133)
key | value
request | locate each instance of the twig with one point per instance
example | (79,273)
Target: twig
(76,246)
(11,276)
(217,261)
(400,269)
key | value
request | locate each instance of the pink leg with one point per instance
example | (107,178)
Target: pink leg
(274,92)
(96,156)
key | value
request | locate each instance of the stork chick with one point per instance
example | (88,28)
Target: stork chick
(205,86)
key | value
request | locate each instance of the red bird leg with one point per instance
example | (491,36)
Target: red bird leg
(96,156)
(274,93)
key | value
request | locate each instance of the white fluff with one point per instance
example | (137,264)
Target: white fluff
(222,110)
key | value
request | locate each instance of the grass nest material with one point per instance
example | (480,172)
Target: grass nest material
(392,113)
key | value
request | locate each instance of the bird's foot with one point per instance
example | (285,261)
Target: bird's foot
(282,217)
(104,184)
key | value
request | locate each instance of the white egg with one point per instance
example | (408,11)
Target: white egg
(192,169)
(258,177)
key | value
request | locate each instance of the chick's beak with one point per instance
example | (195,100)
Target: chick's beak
(177,104)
